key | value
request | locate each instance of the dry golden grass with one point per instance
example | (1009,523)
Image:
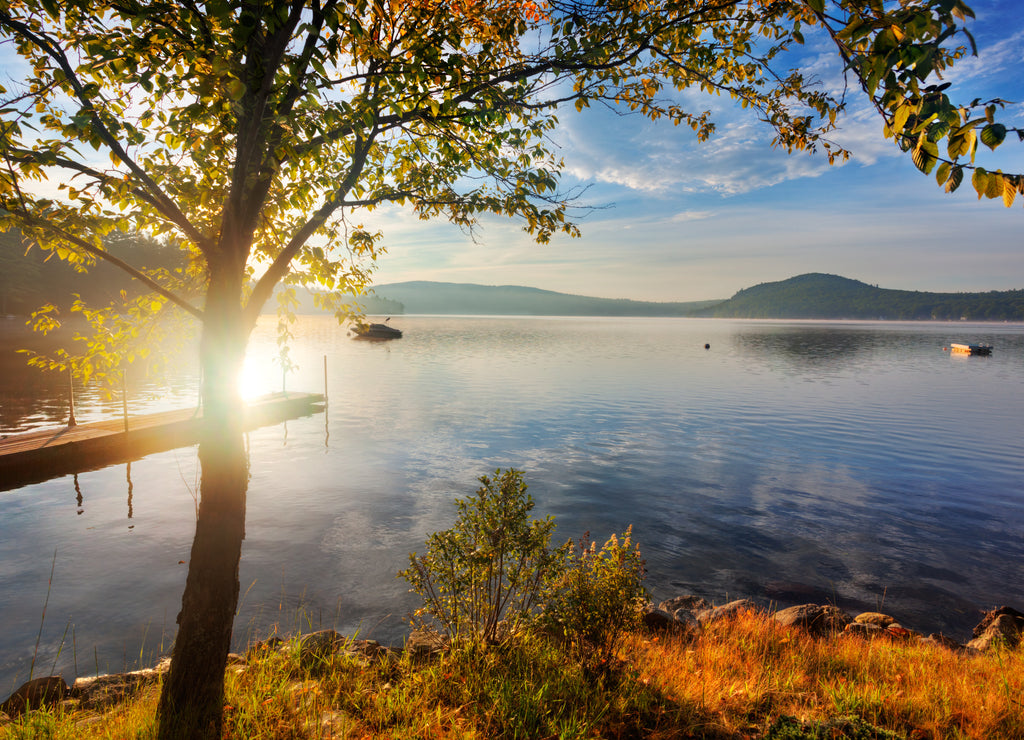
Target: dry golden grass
(742,678)
(750,670)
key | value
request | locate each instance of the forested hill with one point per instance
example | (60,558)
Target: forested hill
(819,296)
(422,297)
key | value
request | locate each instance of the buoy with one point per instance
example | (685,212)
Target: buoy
(707,346)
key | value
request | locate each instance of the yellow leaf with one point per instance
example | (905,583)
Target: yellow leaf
(1009,191)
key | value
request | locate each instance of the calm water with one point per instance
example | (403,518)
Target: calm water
(856,463)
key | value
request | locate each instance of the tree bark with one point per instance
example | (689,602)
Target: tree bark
(192,700)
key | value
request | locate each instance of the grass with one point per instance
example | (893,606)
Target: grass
(744,678)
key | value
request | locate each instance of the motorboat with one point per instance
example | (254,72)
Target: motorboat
(376,331)
(970,349)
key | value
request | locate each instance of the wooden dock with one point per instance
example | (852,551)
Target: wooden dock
(37,456)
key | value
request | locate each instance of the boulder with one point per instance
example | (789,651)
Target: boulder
(680,623)
(332,724)
(365,652)
(44,691)
(690,604)
(320,646)
(424,642)
(659,620)
(97,692)
(726,611)
(862,629)
(941,640)
(876,618)
(818,619)
(1002,626)
(901,632)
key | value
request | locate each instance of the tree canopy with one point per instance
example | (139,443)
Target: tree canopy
(253,135)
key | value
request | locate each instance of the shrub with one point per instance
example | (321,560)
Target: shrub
(484,578)
(599,593)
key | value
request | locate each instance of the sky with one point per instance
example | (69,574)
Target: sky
(669,218)
(672,219)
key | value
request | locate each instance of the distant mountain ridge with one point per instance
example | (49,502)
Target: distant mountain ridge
(821,296)
(424,297)
(809,296)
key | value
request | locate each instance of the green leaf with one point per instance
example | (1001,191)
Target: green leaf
(993,135)
(943,172)
(955,178)
(818,6)
(236,89)
(899,118)
(925,155)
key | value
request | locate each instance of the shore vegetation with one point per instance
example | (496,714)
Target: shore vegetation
(745,677)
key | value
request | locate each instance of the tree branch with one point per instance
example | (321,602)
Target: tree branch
(107,257)
(161,200)
(280,266)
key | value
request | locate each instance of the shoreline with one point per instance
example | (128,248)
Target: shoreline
(686,615)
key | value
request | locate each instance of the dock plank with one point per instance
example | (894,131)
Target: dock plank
(34,457)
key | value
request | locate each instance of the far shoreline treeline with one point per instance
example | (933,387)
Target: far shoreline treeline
(809,296)
(27,282)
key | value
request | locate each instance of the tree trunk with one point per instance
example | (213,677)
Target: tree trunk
(192,700)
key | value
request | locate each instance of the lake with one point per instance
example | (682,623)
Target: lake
(855,463)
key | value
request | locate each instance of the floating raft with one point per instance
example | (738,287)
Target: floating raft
(970,349)
(37,456)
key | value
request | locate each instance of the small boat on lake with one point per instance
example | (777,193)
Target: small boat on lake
(376,331)
(970,349)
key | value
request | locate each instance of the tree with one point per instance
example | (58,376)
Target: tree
(250,135)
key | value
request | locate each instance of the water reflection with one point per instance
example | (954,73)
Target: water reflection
(811,346)
(789,462)
(131,490)
(130,485)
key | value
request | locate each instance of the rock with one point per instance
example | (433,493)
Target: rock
(365,652)
(333,724)
(876,618)
(1002,626)
(320,646)
(97,692)
(707,616)
(659,620)
(942,641)
(689,603)
(424,642)
(271,643)
(48,691)
(901,632)
(817,619)
(863,629)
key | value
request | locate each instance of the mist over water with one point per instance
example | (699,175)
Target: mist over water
(853,463)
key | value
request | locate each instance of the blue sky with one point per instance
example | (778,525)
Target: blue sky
(680,220)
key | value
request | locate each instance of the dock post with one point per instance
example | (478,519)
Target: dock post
(124,397)
(71,398)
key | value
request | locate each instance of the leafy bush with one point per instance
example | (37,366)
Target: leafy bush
(599,593)
(484,578)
